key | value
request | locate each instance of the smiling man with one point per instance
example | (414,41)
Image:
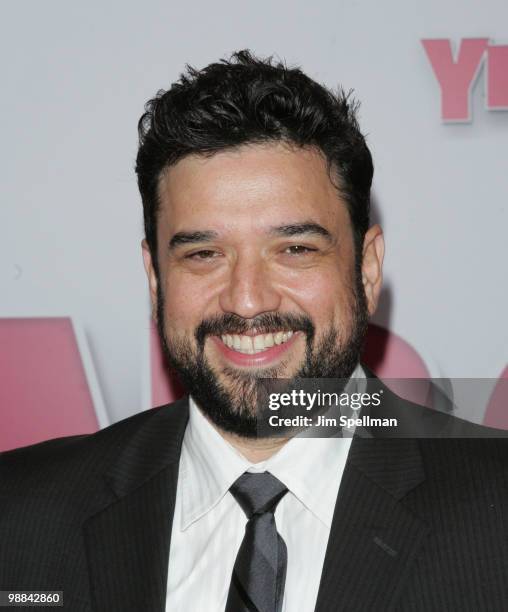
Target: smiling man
(255,182)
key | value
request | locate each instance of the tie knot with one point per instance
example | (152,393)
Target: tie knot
(258,493)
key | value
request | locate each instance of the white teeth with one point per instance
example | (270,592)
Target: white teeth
(278,337)
(246,345)
(250,345)
(259,342)
(268,340)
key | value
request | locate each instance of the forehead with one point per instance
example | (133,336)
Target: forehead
(252,186)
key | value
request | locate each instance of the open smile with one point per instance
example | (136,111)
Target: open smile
(257,349)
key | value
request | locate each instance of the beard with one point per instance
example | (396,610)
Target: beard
(235,400)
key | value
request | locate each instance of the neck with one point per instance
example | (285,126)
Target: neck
(253,449)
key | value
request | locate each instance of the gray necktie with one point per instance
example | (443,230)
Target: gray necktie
(259,574)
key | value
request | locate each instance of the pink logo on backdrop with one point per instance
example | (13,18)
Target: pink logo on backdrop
(457,72)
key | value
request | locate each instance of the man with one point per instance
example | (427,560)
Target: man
(261,264)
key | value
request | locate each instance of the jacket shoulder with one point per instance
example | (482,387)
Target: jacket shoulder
(72,457)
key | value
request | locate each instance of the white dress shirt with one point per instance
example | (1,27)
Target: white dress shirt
(209,525)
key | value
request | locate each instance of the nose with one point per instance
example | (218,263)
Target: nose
(249,290)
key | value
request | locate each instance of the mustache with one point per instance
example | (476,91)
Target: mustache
(264,323)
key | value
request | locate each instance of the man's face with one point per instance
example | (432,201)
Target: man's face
(256,276)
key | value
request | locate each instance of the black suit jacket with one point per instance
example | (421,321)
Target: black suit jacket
(419,524)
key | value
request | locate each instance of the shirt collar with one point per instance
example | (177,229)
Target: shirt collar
(210,465)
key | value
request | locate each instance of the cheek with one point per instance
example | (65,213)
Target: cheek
(185,303)
(324,295)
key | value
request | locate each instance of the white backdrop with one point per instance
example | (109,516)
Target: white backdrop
(75,77)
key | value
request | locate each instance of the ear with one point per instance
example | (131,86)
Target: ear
(152,277)
(372,266)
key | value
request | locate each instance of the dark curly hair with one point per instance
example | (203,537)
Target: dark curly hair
(250,100)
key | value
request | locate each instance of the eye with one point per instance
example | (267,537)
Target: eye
(202,255)
(299,249)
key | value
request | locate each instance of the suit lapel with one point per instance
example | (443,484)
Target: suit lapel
(373,538)
(127,540)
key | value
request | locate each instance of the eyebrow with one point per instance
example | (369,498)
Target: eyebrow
(292,229)
(296,229)
(181,238)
